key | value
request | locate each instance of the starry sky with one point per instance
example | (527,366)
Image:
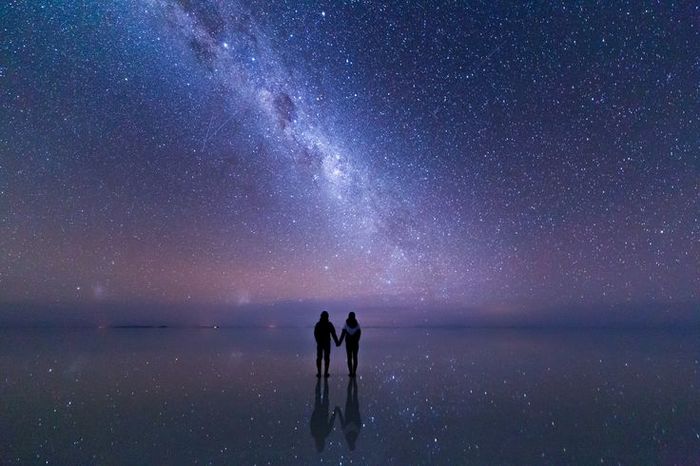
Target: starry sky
(491,157)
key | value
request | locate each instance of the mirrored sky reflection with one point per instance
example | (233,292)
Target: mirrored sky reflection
(503,155)
(438,396)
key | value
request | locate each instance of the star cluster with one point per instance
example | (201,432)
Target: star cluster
(449,153)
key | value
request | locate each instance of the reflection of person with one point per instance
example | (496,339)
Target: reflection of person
(351,334)
(321,425)
(351,423)
(323,331)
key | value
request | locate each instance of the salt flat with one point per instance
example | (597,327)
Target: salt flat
(244,396)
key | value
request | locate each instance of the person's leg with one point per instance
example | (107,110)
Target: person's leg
(327,357)
(319,352)
(354,360)
(348,352)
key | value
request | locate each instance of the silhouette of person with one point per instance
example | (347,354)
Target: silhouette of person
(323,331)
(351,335)
(351,422)
(321,425)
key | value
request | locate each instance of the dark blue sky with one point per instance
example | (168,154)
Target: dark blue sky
(442,156)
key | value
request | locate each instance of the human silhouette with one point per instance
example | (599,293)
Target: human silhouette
(321,424)
(351,422)
(351,335)
(323,331)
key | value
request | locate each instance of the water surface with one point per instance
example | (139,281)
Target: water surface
(234,396)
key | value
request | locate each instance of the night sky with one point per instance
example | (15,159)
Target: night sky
(501,157)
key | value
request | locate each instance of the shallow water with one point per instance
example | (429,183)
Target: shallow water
(234,396)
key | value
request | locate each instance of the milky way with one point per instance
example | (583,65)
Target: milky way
(477,156)
(251,75)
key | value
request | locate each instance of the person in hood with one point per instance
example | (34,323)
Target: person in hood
(323,332)
(351,335)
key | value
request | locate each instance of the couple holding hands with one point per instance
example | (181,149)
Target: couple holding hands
(324,331)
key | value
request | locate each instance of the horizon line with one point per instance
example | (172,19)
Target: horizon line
(616,326)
